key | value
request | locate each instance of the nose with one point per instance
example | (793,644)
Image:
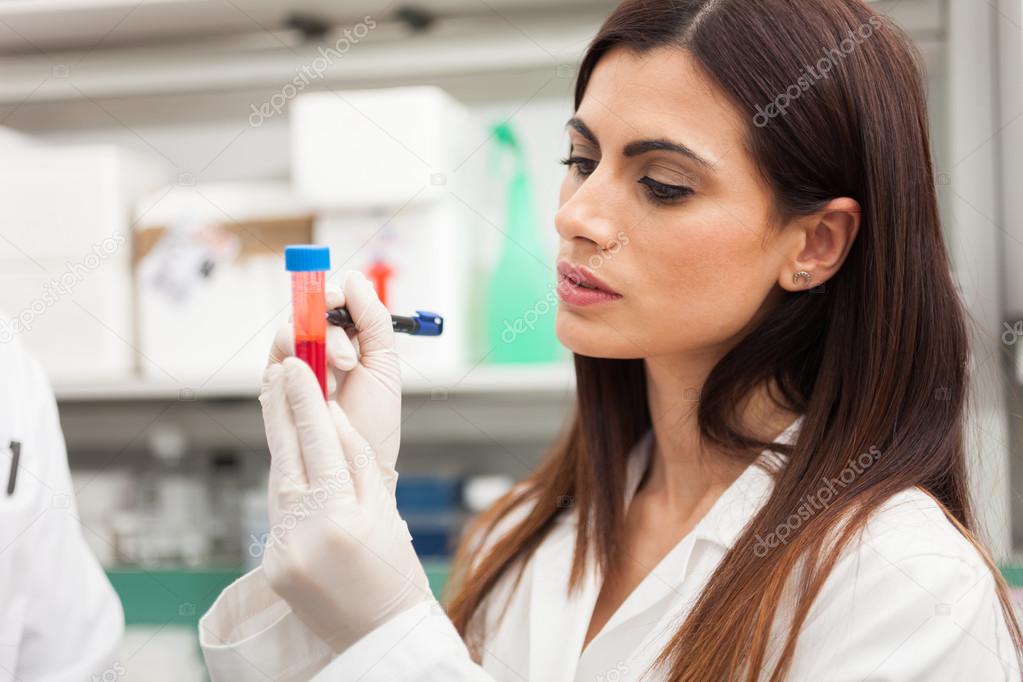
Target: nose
(588,215)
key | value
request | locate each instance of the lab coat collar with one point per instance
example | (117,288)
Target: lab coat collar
(741,501)
(558,624)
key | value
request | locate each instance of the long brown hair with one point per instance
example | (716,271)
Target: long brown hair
(877,360)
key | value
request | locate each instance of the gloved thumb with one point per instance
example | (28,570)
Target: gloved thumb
(318,440)
(372,319)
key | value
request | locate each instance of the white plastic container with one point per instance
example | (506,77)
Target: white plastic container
(58,202)
(65,260)
(83,334)
(379,167)
(221,334)
(427,249)
(212,325)
(366,148)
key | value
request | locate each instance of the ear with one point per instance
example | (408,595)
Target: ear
(821,242)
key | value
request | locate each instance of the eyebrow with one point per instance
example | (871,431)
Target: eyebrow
(640,146)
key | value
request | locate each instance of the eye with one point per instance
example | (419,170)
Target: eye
(664,194)
(582,166)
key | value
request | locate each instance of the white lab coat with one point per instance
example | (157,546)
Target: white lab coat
(913,602)
(60,620)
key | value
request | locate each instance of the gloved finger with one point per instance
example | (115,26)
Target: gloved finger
(321,449)
(283,345)
(372,319)
(334,294)
(361,458)
(284,339)
(341,354)
(343,360)
(286,468)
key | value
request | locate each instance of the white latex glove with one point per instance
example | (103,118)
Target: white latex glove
(338,553)
(365,372)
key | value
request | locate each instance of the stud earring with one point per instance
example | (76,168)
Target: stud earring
(801,275)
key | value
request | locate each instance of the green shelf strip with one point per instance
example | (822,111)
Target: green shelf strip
(1013,575)
(173,596)
(180,596)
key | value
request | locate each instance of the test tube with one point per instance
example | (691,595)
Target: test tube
(308,265)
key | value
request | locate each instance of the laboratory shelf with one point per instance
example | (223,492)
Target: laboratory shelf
(167,596)
(1013,574)
(180,596)
(485,379)
(171,596)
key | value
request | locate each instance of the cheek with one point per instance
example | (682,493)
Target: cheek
(701,282)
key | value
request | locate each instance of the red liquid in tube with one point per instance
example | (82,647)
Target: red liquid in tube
(309,307)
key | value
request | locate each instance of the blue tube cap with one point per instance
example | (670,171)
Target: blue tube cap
(306,258)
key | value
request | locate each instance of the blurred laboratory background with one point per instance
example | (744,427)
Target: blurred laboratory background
(155,158)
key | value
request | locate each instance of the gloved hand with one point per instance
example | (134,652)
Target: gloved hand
(339,553)
(365,376)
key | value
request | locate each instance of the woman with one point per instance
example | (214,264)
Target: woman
(765,477)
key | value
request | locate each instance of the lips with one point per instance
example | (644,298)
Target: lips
(579,287)
(579,276)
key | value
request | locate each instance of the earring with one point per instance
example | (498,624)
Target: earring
(801,275)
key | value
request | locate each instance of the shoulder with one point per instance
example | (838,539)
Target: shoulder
(26,397)
(912,523)
(909,539)
(911,597)
(28,414)
(20,373)
(921,556)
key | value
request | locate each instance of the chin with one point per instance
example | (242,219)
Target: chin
(591,337)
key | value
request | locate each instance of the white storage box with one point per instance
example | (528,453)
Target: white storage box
(58,202)
(428,249)
(212,288)
(365,148)
(221,334)
(65,260)
(75,319)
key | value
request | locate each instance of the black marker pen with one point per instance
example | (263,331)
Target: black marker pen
(423,323)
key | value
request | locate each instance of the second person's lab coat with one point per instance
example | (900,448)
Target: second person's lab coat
(60,620)
(913,602)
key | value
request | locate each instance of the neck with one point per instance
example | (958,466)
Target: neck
(686,474)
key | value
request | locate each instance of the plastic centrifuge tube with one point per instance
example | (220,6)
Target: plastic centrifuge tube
(308,265)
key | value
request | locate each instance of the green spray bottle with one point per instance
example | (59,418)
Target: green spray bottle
(521,301)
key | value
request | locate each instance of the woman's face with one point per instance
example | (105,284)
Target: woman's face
(662,203)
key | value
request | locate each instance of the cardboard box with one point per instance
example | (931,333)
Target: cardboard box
(211,321)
